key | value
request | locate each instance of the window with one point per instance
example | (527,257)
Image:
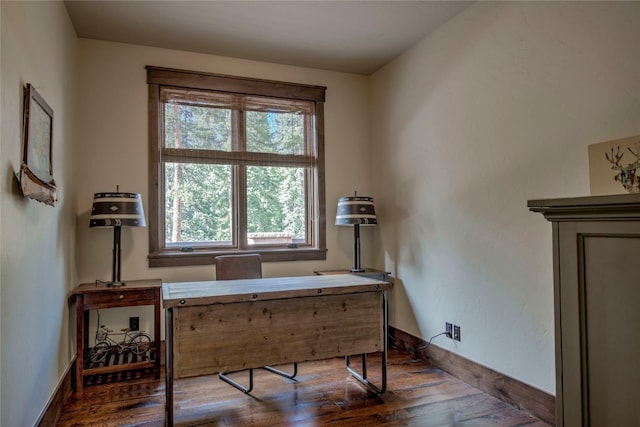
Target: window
(236,165)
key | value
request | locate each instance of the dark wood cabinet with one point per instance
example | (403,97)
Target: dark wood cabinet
(596,257)
(90,296)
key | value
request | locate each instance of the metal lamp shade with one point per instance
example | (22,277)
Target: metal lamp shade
(356,211)
(117,210)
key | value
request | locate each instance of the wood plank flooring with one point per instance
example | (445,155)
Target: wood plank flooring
(322,394)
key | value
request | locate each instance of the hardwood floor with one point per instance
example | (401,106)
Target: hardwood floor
(323,394)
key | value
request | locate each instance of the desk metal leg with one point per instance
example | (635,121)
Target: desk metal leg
(283,373)
(224,377)
(363,377)
(169,366)
(246,390)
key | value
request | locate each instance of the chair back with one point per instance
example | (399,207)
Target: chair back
(243,266)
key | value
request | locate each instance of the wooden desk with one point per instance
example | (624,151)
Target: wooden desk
(230,325)
(90,296)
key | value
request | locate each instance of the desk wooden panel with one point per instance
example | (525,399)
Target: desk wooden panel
(221,326)
(230,337)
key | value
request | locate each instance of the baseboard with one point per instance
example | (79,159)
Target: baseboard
(538,403)
(52,411)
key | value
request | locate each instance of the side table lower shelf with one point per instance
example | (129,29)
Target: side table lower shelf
(118,367)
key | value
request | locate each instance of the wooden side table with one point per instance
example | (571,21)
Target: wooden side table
(371,273)
(90,296)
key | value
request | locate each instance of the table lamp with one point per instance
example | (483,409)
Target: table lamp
(117,210)
(356,210)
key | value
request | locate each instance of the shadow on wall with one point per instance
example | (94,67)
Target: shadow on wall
(15,184)
(95,249)
(398,298)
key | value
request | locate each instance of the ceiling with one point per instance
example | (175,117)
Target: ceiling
(350,36)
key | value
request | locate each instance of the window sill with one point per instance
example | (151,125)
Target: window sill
(179,259)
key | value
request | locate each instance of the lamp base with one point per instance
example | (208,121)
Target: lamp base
(115,284)
(357,270)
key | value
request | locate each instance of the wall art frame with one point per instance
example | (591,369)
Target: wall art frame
(36,172)
(605,176)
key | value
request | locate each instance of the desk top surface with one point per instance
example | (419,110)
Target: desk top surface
(181,294)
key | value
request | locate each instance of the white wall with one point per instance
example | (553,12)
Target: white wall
(36,241)
(495,108)
(113,147)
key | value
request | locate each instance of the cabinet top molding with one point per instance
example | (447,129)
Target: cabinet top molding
(591,208)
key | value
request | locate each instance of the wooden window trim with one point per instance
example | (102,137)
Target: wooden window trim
(224,83)
(158,77)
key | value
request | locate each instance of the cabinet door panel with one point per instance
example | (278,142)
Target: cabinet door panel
(611,297)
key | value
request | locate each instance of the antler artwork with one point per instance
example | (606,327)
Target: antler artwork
(627,175)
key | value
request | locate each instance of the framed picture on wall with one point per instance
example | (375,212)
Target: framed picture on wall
(38,132)
(36,173)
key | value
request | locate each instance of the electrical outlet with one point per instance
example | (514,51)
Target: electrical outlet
(456,332)
(449,329)
(134,323)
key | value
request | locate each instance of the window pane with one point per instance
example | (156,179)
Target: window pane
(276,205)
(271,132)
(197,127)
(198,203)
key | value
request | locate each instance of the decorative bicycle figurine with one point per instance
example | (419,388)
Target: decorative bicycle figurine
(136,342)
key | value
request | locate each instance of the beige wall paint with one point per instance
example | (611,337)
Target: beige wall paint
(112,134)
(496,107)
(36,241)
